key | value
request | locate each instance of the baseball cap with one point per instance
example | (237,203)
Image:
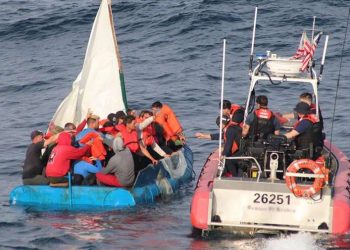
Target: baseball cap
(302,108)
(35,133)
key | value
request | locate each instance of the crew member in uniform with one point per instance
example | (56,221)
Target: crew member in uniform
(262,122)
(306,132)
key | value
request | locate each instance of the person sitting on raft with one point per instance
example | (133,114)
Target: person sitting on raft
(172,130)
(140,154)
(120,120)
(146,134)
(119,171)
(33,168)
(92,164)
(61,156)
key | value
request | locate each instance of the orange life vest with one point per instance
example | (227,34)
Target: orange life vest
(234,108)
(130,140)
(97,149)
(168,120)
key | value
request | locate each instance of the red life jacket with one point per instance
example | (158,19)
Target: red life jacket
(235,145)
(148,135)
(311,117)
(262,124)
(234,108)
(263,113)
(130,140)
(120,127)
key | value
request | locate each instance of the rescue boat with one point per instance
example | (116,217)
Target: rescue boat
(100,87)
(281,189)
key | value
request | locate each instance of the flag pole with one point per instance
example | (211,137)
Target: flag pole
(313,28)
(253,41)
(221,164)
(323,59)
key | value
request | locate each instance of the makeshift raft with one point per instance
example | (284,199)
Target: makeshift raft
(151,183)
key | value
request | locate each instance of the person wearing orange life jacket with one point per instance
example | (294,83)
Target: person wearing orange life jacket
(167,119)
(262,122)
(228,109)
(305,131)
(307,98)
(146,134)
(232,134)
(140,154)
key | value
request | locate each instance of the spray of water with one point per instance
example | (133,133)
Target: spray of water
(298,241)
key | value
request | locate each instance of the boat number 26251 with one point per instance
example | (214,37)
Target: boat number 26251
(272,198)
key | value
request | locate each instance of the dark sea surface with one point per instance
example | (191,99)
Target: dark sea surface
(171,51)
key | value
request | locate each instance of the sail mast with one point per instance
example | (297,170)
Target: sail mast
(122,81)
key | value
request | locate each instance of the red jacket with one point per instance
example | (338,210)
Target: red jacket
(59,160)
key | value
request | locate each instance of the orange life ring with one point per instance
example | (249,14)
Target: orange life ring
(310,190)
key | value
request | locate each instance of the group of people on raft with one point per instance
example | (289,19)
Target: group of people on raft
(108,152)
(307,132)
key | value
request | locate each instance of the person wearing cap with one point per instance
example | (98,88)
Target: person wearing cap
(262,122)
(305,131)
(307,98)
(33,168)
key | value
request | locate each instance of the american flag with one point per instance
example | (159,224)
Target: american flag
(300,52)
(309,50)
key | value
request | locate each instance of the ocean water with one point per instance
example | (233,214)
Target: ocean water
(171,51)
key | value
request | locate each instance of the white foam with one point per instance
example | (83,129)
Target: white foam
(299,241)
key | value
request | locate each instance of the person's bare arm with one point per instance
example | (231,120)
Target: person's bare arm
(292,134)
(245,130)
(200,135)
(50,140)
(288,116)
(147,154)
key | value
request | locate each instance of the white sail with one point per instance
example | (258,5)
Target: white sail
(99,86)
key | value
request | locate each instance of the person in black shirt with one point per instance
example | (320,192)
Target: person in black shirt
(33,167)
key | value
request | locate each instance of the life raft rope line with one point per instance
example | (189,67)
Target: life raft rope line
(337,89)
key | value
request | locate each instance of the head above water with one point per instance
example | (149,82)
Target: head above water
(262,101)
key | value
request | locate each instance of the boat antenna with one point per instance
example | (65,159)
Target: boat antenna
(323,59)
(221,165)
(253,41)
(311,62)
(338,81)
(313,28)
